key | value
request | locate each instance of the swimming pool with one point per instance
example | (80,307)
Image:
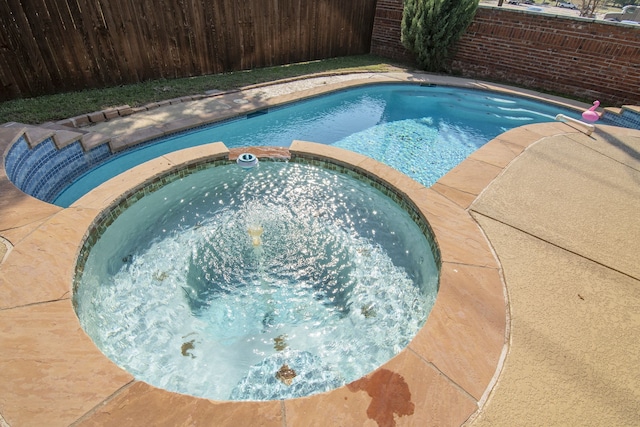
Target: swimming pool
(422,131)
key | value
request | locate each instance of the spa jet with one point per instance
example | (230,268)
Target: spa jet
(255,231)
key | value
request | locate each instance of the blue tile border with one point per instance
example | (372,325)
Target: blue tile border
(44,171)
(628,119)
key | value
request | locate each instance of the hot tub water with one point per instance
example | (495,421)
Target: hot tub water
(280,281)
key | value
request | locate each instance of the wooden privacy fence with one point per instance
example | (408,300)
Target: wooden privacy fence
(49,46)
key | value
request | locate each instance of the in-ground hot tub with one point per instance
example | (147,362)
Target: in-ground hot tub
(283,280)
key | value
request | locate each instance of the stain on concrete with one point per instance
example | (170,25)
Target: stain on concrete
(389,393)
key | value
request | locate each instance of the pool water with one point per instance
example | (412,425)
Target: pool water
(422,131)
(281,281)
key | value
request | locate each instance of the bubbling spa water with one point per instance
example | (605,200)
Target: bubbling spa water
(280,281)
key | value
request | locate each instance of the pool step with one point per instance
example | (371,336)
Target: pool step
(88,139)
(92,140)
(8,136)
(626,116)
(61,135)
(33,134)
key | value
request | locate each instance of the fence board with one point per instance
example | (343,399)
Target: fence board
(92,44)
(213,63)
(49,46)
(66,39)
(118,39)
(9,81)
(25,53)
(198,28)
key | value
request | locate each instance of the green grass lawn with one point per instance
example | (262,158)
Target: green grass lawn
(61,106)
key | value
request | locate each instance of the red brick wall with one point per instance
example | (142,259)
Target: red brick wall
(572,56)
(385,37)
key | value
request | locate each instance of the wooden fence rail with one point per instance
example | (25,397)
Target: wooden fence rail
(49,46)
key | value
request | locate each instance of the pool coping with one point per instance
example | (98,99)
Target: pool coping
(42,383)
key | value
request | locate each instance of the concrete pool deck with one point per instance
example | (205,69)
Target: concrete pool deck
(560,212)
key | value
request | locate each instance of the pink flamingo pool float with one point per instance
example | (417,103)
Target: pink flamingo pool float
(591,115)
